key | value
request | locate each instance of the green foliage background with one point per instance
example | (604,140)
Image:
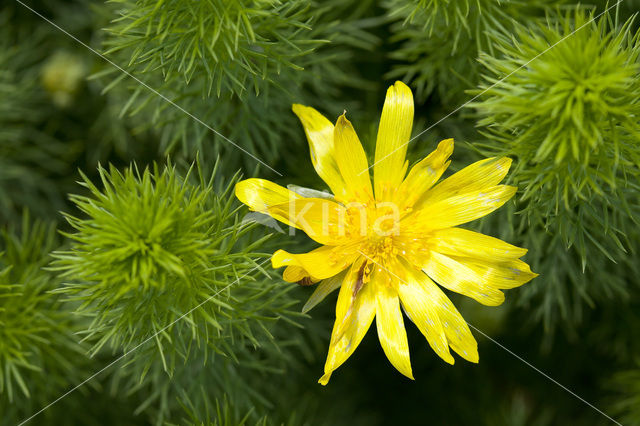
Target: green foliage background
(118,220)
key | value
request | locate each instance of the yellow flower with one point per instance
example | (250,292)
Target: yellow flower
(386,245)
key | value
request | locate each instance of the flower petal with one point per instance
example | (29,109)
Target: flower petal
(310,192)
(455,327)
(260,194)
(352,162)
(355,310)
(319,133)
(475,177)
(462,242)
(319,218)
(391,331)
(503,275)
(424,175)
(321,263)
(423,311)
(392,141)
(459,209)
(458,277)
(324,288)
(293,274)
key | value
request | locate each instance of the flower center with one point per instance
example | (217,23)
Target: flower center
(374,228)
(372,222)
(377,251)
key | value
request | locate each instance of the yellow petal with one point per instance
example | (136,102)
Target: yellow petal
(293,274)
(455,327)
(352,162)
(351,287)
(459,209)
(475,177)
(321,263)
(462,242)
(424,175)
(504,275)
(458,277)
(392,141)
(355,310)
(319,218)
(324,288)
(319,133)
(423,311)
(260,194)
(391,331)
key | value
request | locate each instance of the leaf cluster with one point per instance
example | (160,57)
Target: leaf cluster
(439,40)
(236,46)
(626,385)
(579,96)
(165,271)
(254,111)
(37,334)
(30,159)
(154,246)
(254,378)
(224,414)
(570,119)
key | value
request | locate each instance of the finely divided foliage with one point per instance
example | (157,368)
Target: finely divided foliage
(30,159)
(570,118)
(235,45)
(152,246)
(36,331)
(143,247)
(440,40)
(577,103)
(235,65)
